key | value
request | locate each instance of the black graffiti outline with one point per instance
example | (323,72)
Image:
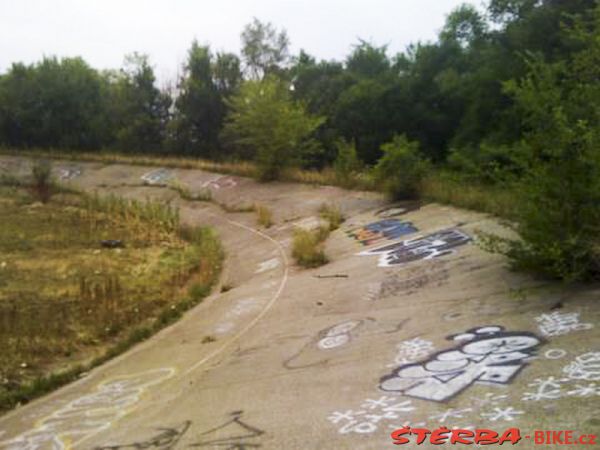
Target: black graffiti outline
(166,440)
(288,363)
(252,433)
(478,334)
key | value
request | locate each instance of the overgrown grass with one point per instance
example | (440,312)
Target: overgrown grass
(446,188)
(439,186)
(307,248)
(64,299)
(264,215)
(332,214)
(360,181)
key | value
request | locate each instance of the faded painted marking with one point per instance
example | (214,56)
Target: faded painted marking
(270,264)
(90,414)
(158,177)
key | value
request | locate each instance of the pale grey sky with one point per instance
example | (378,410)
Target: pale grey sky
(103,31)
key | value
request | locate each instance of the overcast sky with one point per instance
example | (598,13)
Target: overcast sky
(103,31)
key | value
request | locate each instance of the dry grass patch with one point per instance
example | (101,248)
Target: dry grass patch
(307,248)
(264,215)
(65,299)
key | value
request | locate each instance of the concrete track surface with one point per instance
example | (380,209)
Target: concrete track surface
(411,323)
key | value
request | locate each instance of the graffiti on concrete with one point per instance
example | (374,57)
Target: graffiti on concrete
(585,367)
(111,401)
(449,414)
(337,335)
(400,284)
(221,182)
(311,354)
(412,350)
(241,308)
(234,434)
(372,413)
(68,173)
(485,354)
(318,350)
(383,229)
(432,246)
(166,439)
(158,177)
(544,389)
(507,414)
(392,211)
(557,323)
(270,264)
(555,353)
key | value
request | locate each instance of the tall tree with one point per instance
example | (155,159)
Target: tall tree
(265,49)
(141,109)
(200,107)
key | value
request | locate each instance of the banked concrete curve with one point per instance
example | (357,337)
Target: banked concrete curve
(410,324)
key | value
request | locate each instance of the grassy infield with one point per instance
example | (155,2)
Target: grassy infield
(86,295)
(67,304)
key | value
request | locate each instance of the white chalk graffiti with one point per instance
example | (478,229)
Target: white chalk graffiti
(368,419)
(373,291)
(89,414)
(157,177)
(489,398)
(506,414)
(585,367)
(221,182)
(268,265)
(412,350)
(557,323)
(555,353)
(68,173)
(337,335)
(590,390)
(485,354)
(450,414)
(547,389)
(242,307)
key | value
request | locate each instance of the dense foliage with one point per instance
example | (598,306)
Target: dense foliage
(507,96)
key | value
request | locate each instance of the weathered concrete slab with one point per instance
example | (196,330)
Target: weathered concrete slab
(441,333)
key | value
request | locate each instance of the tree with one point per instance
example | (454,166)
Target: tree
(200,107)
(54,103)
(269,126)
(265,50)
(369,61)
(559,207)
(140,108)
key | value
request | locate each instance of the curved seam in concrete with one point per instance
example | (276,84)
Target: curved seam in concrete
(244,330)
(264,311)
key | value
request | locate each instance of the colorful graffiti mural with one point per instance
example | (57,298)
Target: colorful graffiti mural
(431,246)
(382,229)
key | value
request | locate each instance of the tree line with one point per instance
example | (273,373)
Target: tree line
(508,94)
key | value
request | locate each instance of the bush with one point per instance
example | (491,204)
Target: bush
(42,185)
(307,248)
(264,215)
(401,169)
(332,214)
(347,165)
